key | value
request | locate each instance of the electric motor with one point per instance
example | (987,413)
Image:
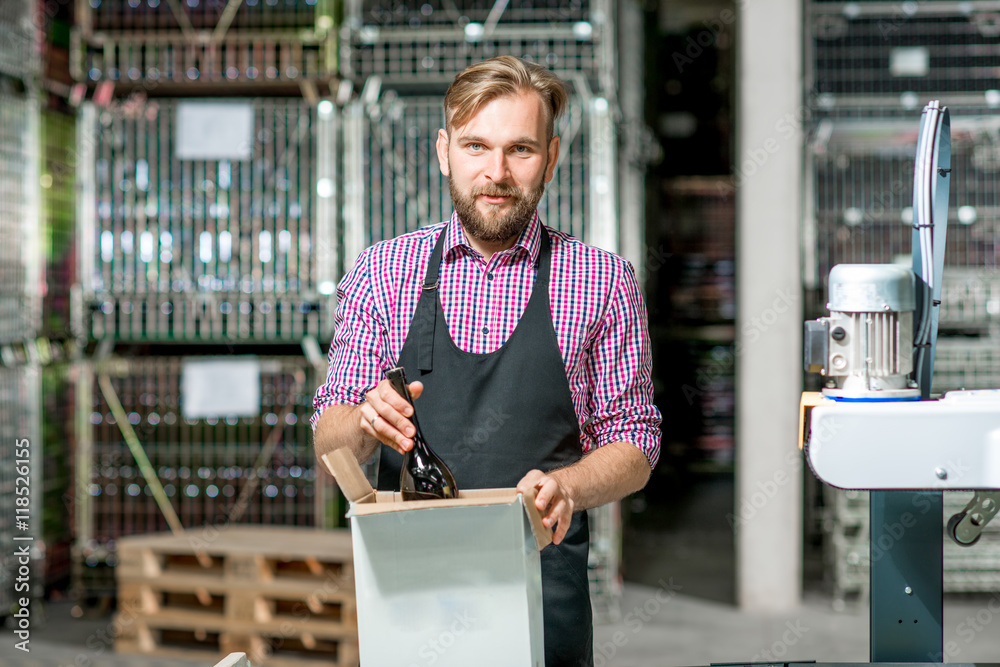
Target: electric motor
(865,346)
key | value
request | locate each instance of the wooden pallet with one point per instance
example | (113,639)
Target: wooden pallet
(284,596)
(262,650)
(263,554)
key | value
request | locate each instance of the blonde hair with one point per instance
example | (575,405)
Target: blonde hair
(480,84)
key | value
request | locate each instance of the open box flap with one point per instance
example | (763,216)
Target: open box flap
(365,500)
(350,478)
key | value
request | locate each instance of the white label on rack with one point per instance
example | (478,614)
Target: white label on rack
(214,130)
(222,387)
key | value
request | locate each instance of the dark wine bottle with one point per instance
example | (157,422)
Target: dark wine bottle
(424,476)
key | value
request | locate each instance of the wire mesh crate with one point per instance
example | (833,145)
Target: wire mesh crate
(155,43)
(215,471)
(393,182)
(970,301)
(186,238)
(887,55)
(966,364)
(410,41)
(19,303)
(974,569)
(20,43)
(419,14)
(264,16)
(859,194)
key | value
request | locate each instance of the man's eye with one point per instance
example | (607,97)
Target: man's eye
(475,147)
(520,149)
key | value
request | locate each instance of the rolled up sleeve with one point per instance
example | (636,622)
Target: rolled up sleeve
(619,369)
(360,340)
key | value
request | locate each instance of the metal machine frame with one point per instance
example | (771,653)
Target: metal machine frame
(906,484)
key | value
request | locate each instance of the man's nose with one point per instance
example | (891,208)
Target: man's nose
(496,166)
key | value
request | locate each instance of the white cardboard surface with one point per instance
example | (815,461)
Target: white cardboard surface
(449,586)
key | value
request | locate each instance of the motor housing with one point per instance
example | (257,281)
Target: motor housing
(865,346)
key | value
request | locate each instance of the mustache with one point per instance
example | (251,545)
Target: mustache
(496,190)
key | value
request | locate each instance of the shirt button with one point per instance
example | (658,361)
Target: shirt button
(486,330)
(489,275)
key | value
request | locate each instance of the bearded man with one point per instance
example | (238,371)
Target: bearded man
(499,319)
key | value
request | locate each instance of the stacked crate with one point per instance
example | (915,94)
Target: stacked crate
(214,471)
(205,230)
(401,56)
(235,244)
(870,69)
(283,596)
(427,43)
(153,43)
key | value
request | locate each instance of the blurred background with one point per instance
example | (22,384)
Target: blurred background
(183,183)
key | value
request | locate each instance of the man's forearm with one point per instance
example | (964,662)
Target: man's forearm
(607,474)
(338,427)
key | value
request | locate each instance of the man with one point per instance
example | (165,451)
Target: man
(528,350)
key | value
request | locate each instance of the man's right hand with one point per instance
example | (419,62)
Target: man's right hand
(385,415)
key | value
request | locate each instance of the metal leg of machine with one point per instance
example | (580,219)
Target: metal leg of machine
(906,566)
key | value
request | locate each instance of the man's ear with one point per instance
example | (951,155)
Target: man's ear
(442,151)
(553,158)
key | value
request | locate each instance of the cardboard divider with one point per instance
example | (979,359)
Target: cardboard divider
(364,500)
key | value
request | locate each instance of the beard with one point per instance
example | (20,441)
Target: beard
(494,226)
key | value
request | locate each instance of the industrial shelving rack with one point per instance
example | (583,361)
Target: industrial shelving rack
(205,229)
(244,252)
(870,68)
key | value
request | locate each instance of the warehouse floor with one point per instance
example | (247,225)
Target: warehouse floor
(658,628)
(677,607)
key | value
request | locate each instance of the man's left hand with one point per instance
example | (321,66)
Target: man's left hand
(553,501)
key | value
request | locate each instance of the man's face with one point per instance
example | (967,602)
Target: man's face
(497,165)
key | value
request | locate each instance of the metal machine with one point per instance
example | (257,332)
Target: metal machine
(874,425)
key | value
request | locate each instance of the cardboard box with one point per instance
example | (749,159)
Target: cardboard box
(445,582)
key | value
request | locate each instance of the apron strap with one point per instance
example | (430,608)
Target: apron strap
(425,317)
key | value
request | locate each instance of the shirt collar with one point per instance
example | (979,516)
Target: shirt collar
(528,241)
